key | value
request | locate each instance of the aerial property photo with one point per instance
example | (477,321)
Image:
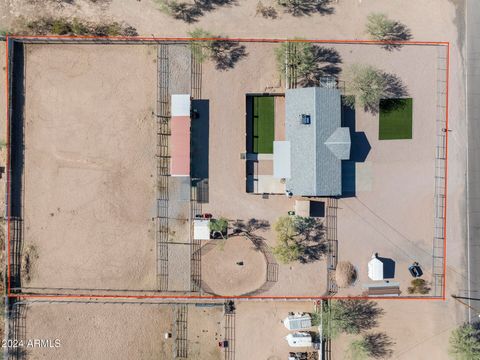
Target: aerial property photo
(159,168)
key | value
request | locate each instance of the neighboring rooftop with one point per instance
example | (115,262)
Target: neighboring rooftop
(318,143)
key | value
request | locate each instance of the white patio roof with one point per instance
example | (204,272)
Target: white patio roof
(281,159)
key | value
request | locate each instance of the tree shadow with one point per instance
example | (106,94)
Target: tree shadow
(190,13)
(395,88)
(307,7)
(252,225)
(326,62)
(399,33)
(360,314)
(378,345)
(313,243)
(388,105)
(226,53)
(186,12)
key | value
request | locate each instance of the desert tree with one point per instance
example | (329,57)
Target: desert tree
(225,53)
(465,342)
(307,7)
(352,316)
(299,239)
(307,63)
(380,27)
(367,85)
(372,345)
(219,227)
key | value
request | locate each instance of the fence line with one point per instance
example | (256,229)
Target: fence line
(332,255)
(163,164)
(438,260)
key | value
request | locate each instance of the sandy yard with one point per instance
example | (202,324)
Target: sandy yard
(416,327)
(392,213)
(205,331)
(129,330)
(89,174)
(227,176)
(260,332)
(101,331)
(393,210)
(233,266)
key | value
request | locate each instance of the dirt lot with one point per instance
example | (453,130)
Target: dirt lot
(90,166)
(101,331)
(416,327)
(114,331)
(260,333)
(392,213)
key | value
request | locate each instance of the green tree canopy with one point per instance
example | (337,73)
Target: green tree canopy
(465,342)
(380,27)
(298,238)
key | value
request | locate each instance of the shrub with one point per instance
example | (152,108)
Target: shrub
(345,274)
(63,26)
(465,342)
(419,286)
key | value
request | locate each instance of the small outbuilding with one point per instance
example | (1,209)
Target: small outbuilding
(375,268)
(201,229)
(299,339)
(298,321)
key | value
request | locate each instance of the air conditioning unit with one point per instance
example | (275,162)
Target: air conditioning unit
(305,119)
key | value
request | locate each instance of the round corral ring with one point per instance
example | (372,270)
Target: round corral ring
(232,267)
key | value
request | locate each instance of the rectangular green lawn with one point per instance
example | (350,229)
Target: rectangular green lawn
(263,124)
(395,119)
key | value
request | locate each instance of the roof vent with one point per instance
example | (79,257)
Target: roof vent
(305,119)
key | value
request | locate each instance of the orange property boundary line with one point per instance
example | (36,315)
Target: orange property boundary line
(45,38)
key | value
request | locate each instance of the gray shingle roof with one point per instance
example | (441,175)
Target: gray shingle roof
(317,149)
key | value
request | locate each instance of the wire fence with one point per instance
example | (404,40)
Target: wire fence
(438,261)
(163,164)
(332,254)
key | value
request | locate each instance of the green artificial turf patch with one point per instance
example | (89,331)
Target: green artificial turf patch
(263,124)
(395,119)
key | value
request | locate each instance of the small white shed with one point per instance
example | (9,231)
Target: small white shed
(201,229)
(375,268)
(299,339)
(298,321)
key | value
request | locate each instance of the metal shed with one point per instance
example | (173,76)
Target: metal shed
(299,339)
(298,321)
(375,268)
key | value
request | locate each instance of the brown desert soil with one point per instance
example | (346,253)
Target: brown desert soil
(221,273)
(89,166)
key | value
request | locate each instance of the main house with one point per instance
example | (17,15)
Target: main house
(307,161)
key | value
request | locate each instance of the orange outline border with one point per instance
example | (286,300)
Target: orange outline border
(197,297)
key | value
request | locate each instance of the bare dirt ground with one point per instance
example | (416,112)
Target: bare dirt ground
(417,328)
(89,166)
(260,332)
(221,271)
(101,331)
(227,174)
(392,212)
(205,331)
(115,331)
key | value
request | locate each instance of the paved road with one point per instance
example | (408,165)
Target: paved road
(473,117)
